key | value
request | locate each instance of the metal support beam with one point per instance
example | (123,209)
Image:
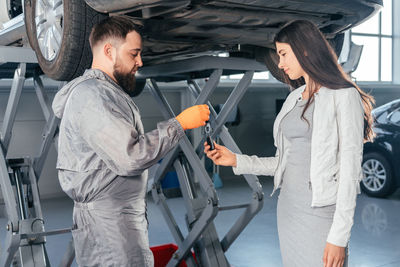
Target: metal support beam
(209,87)
(23,212)
(200,219)
(258,196)
(48,135)
(50,130)
(187,188)
(185,145)
(8,193)
(11,111)
(42,98)
(37,211)
(183,69)
(11,246)
(16,54)
(202,235)
(25,237)
(232,101)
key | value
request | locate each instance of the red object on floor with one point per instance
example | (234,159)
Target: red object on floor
(163,253)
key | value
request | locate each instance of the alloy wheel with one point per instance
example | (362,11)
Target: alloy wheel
(374,175)
(49,26)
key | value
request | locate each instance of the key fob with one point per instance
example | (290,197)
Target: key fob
(210,142)
(208,130)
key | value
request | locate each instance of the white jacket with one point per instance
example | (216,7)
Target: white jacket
(336,155)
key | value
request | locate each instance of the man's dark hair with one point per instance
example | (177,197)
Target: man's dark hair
(113,27)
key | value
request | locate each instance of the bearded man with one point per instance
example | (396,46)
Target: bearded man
(103,152)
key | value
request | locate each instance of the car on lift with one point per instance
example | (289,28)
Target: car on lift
(58,30)
(381,161)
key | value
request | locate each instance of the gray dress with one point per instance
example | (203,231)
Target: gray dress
(302,229)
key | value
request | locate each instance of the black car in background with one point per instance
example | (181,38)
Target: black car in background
(381,161)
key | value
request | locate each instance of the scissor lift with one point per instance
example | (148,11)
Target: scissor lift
(199,195)
(26,237)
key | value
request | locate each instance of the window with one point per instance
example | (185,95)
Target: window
(394,117)
(376,35)
(382,117)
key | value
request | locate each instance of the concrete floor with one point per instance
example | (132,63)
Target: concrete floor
(375,237)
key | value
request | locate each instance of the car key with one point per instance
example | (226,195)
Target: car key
(208,130)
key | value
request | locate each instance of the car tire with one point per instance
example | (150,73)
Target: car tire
(337,43)
(74,54)
(269,57)
(378,178)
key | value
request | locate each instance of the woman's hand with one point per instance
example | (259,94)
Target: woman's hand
(220,155)
(334,256)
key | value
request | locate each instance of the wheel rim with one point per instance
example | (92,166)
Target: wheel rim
(49,17)
(374,175)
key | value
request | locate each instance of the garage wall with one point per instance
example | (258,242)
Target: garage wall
(253,135)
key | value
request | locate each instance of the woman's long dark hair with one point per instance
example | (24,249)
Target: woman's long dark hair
(319,61)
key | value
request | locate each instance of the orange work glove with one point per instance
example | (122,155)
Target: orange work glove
(194,117)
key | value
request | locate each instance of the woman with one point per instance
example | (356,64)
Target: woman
(319,136)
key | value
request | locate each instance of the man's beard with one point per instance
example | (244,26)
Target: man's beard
(127,81)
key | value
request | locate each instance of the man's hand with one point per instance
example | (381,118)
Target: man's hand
(334,256)
(194,117)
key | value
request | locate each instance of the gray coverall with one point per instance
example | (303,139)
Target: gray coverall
(103,154)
